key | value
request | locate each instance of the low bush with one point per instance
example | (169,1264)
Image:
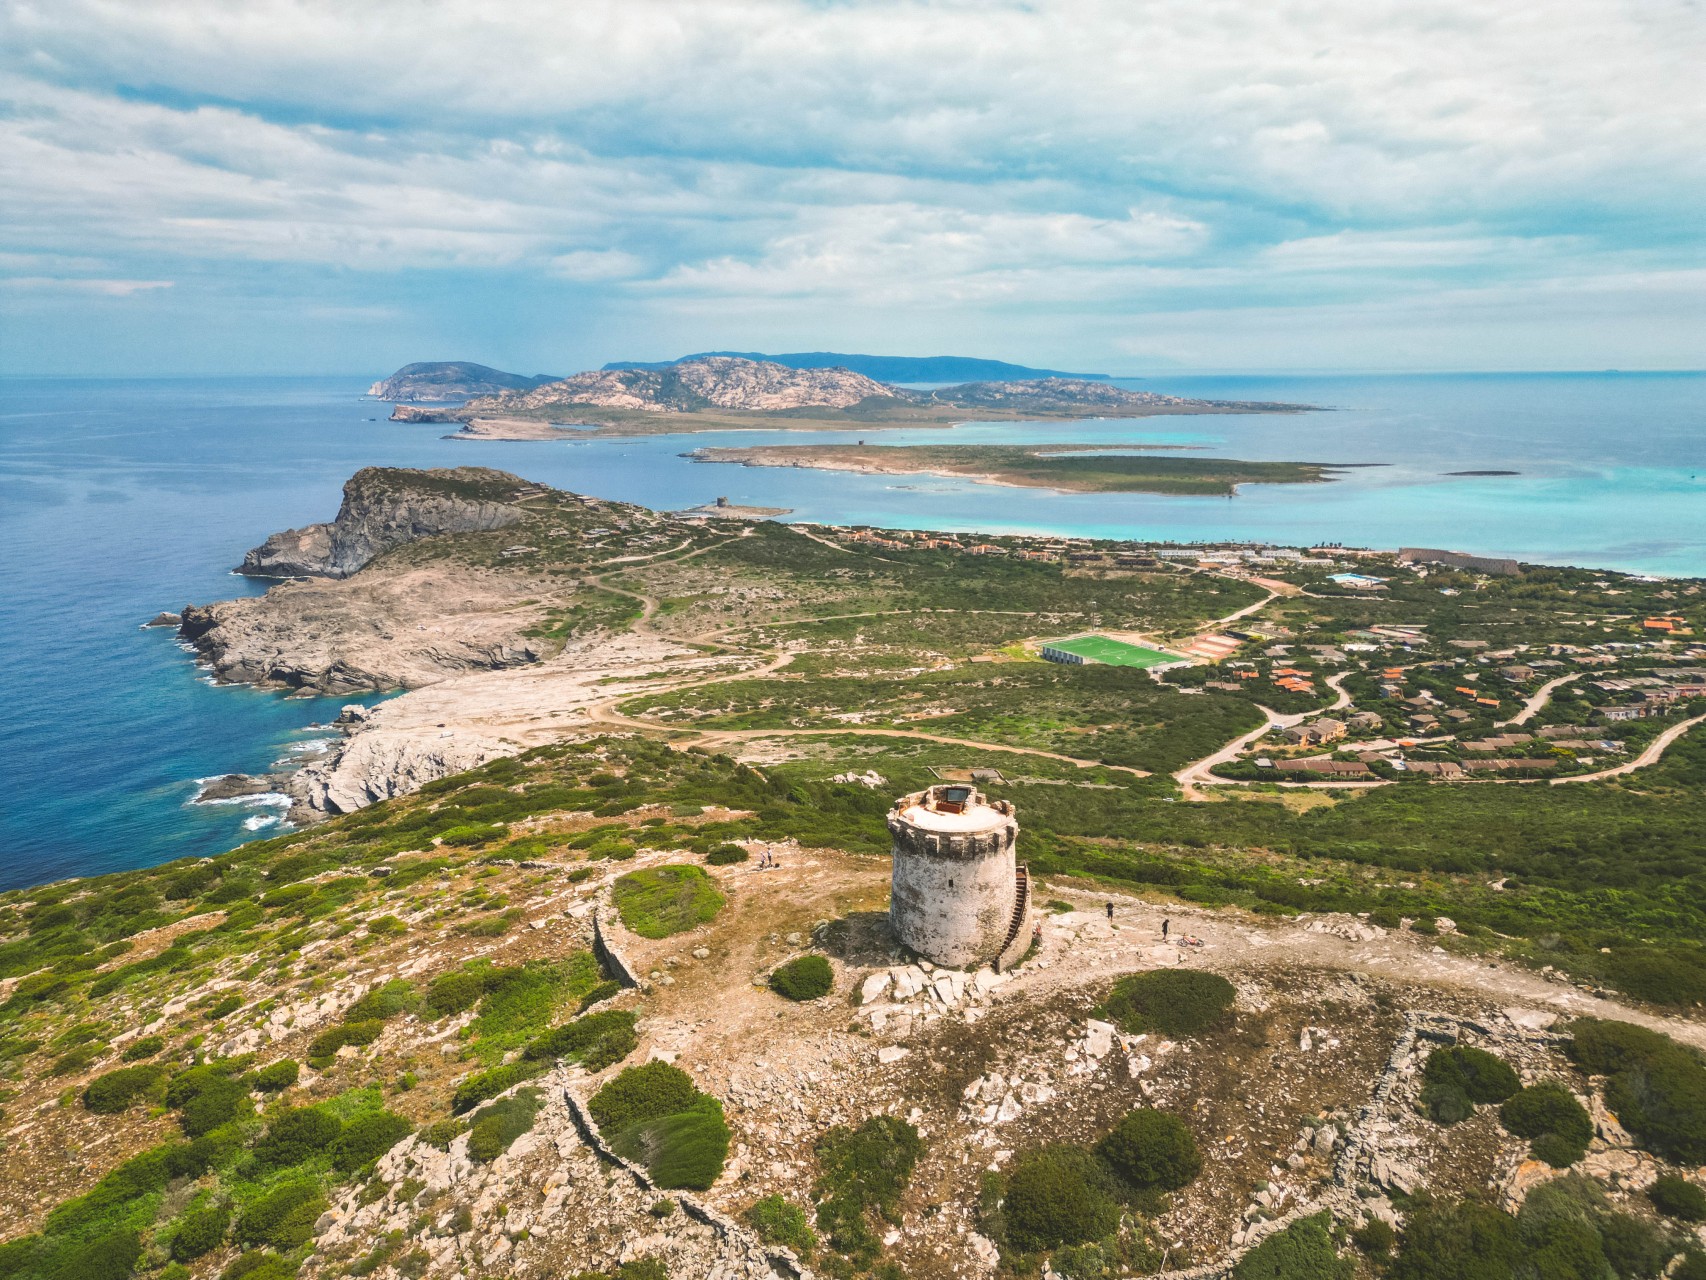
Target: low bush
(861,1171)
(492,926)
(1484,1077)
(1376,1238)
(1056,1196)
(296,1135)
(1656,1087)
(640,1093)
(116,1091)
(1463,1241)
(259,1265)
(655,1115)
(1558,1127)
(386,1001)
(1173,1002)
(659,901)
(780,1221)
(498,1124)
(207,1097)
(684,1151)
(325,1046)
(1675,977)
(488,1084)
(1678,1198)
(1152,1150)
(727,855)
(454,993)
(804,978)
(145,1047)
(596,1041)
(276,1077)
(1305,1250)
(198,1232)
(366,1138)
(283,1218)
(222,1006)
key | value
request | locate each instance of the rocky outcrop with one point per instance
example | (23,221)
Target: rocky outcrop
(716,382)
(375,764)
(446,381)
(383,508)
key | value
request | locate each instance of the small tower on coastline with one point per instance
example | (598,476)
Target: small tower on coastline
(959,896)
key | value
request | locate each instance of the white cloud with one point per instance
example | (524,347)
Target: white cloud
(64,284)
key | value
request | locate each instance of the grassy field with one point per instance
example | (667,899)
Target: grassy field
(1112,653)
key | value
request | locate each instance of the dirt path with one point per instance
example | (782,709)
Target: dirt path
(1200,773)
(1090,948)
(1655,749)
(1541,696)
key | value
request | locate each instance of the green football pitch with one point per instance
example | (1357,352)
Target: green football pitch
(1115,653)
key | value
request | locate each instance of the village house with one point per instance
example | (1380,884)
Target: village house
(1313,732)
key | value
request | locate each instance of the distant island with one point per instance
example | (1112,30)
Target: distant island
(882,368)
(451,381)
(732,392)
(1070,468)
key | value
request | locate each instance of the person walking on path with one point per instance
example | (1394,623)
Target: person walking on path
(1110,911)
(1165,924)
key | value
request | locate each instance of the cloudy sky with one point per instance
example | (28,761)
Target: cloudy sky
(306,186)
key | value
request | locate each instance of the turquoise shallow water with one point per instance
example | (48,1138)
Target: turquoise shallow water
(119,499)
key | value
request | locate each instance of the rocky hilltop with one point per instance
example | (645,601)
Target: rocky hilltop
(383,508)
(716,382)
(443,381)
(882,368)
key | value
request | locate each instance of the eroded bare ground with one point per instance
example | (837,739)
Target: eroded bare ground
(985,1066)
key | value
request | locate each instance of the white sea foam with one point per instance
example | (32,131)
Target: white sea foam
(263,799)
(260,820)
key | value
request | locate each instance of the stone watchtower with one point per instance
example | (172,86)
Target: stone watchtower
(959,896)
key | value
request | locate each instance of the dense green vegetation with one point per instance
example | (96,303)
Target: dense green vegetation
(1558,1127)
(1460,1076)
(1655,1086)
(660,901)
(803,978)
(780,1221)
(1305,1250)
(653,1115)
(861,1174)
(1173,1002)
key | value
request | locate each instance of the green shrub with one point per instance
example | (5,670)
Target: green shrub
(804,978)
(1692,1266)
(325,1046)
(863,1170)
(659,901)
(488,1084)
(1303,1251)
(1152,1150)
(224,1005)
(366,1138)
(727,855)
(1635,1249)
(1678,1198)
(276,1077)
(257,1265)
(384,1002)
(498,1124)
(1376,1238)
(1056,1196)
(1446,1104)
(1482,1076)
(522,1001)
(145,1047)
(492,926)
(199,1231)
(1663,977)
(1462,1241)
(1656,1087)
(1173,1002)
(1559,1127)
(441,1133)
(597,1040)
(207,1097)
(603,991)
(646,1092)
(78,1060)
(115,1091)
(684,1151)
(454,993)
(780,1221)
(283,1218)
(296,1135)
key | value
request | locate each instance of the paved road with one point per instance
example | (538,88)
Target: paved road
(1539,699)
(1655,749)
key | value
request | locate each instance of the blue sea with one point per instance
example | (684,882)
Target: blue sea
(119,499)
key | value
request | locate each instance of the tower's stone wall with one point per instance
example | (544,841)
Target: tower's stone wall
(953,891)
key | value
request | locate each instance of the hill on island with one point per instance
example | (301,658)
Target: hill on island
(882,368)
(442,381)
